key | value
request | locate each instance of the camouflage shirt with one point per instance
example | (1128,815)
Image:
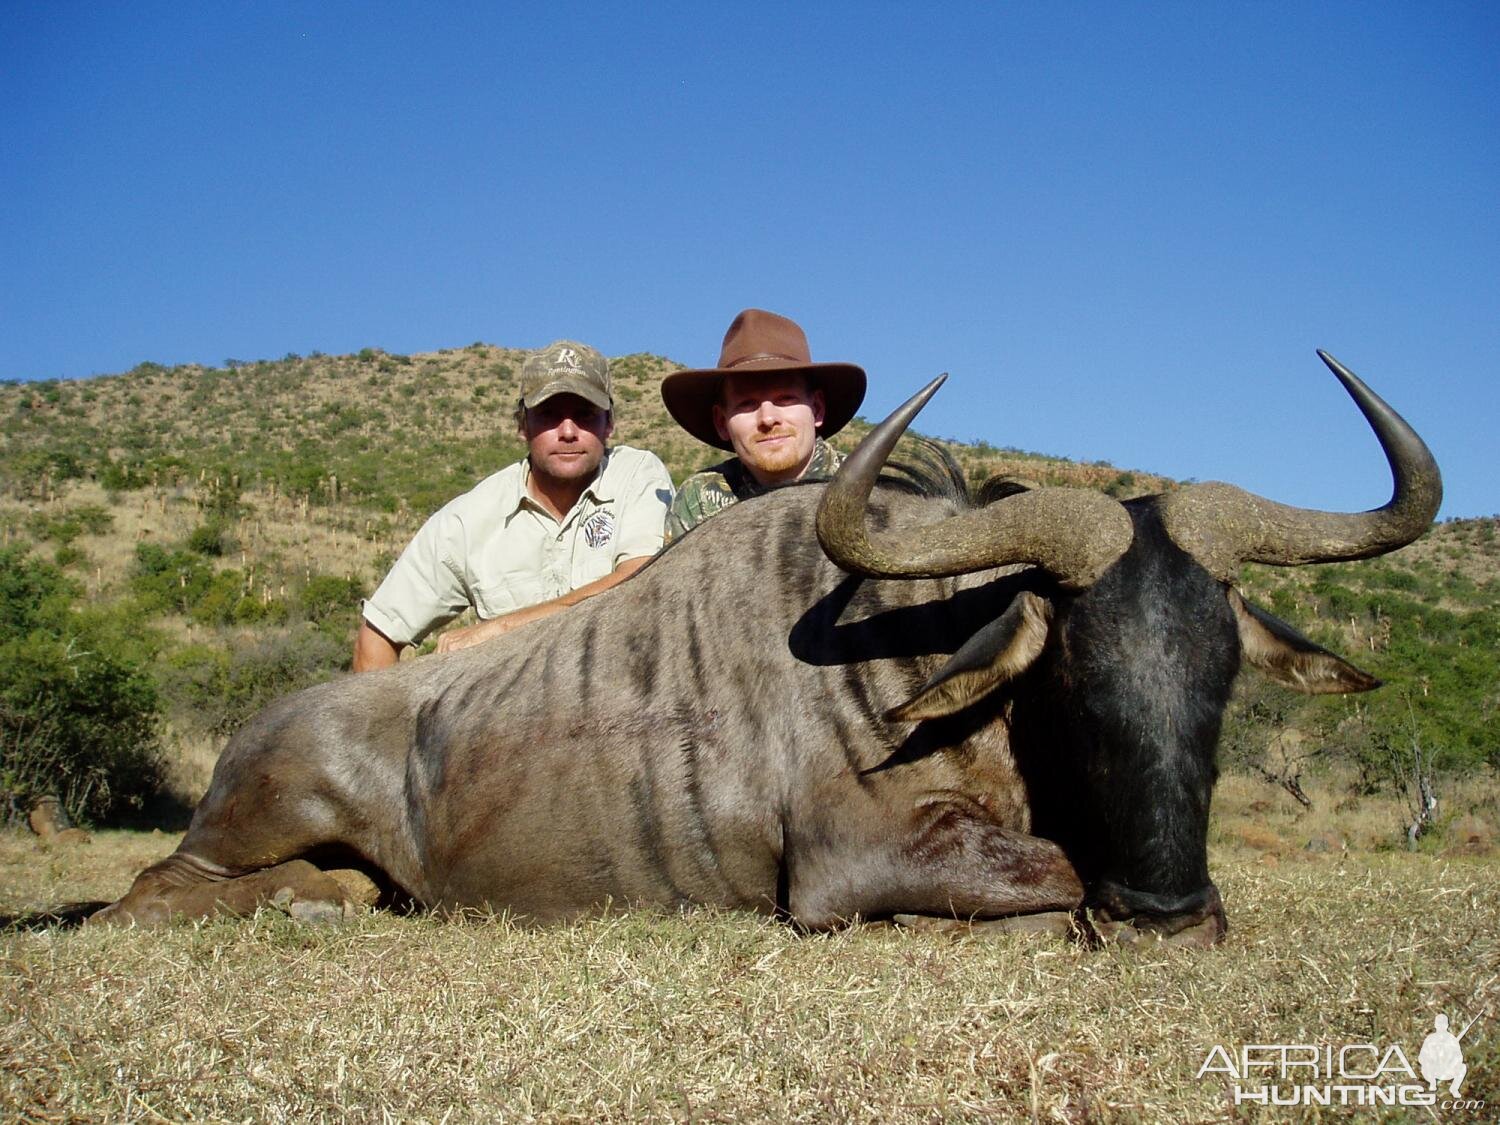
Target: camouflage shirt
(709,492)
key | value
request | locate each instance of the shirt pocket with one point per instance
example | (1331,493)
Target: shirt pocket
(507,594)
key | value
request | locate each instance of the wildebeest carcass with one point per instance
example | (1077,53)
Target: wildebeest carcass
(945,710)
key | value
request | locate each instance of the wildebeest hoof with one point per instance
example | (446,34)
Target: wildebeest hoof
(1204,934)
(357,887)
(1201,935)
(312,911)
(121,915)
(318,913)
(1201,931)
(1122,916)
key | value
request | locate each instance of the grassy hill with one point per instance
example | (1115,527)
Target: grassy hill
(398,432)
(217,527)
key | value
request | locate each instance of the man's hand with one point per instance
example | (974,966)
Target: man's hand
(499,626)
(473,635)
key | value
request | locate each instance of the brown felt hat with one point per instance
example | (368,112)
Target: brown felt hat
(761,343)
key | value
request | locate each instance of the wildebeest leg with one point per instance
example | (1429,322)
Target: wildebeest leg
(1194,922)
(294,779)
(240,853)
(945,856)
(186,886)
(1056,923)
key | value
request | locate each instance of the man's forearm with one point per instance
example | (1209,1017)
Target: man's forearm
(373,649)
(499,626)
(599,585)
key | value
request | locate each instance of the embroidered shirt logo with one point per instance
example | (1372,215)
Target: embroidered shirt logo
(598,529)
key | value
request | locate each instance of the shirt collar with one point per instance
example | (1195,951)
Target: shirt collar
(823,463)
(595,490)
(742,481)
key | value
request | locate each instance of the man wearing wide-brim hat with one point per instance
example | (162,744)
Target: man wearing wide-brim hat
(769,403)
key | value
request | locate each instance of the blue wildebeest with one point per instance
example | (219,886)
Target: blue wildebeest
(721,729)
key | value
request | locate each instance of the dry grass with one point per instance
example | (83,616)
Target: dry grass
(718,1016)
(1251,814)
(282,538)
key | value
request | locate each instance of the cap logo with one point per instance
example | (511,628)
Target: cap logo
(567,357)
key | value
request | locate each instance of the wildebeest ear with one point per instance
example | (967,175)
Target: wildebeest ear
(1000,651)
(1289,658)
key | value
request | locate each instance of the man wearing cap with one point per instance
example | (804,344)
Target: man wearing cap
(569,521)
(769,403)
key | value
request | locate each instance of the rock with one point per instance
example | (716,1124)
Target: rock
(49,820)
(1326,843)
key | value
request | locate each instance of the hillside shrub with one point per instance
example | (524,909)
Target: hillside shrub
(79,714)
(65,526)
(219,602)
(28,473)
(215,689)
(31,593)
(169,581)
(211,540)
(326,595)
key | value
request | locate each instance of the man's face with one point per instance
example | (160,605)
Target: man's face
(771,421)
(565,437)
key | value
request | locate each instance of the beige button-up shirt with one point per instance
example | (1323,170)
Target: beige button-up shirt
(497,549)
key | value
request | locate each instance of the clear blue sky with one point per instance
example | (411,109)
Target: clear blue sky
(1122,227)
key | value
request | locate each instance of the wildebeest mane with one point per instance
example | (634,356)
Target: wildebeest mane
(921,466)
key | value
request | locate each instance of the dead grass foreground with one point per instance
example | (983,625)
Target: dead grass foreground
(718,1016)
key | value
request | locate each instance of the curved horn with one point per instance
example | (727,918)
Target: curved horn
(1223,526)
(1073,534)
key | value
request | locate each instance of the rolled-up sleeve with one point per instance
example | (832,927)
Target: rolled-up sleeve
(643,504)
(425,588)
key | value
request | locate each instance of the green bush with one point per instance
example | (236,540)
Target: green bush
(169,581)
(217,690)
(27,473)
(66,526)
(210,540)
(219,599)
(78,711)
(31,593)
(325,595)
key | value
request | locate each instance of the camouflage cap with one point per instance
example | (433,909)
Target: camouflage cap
(566,367)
